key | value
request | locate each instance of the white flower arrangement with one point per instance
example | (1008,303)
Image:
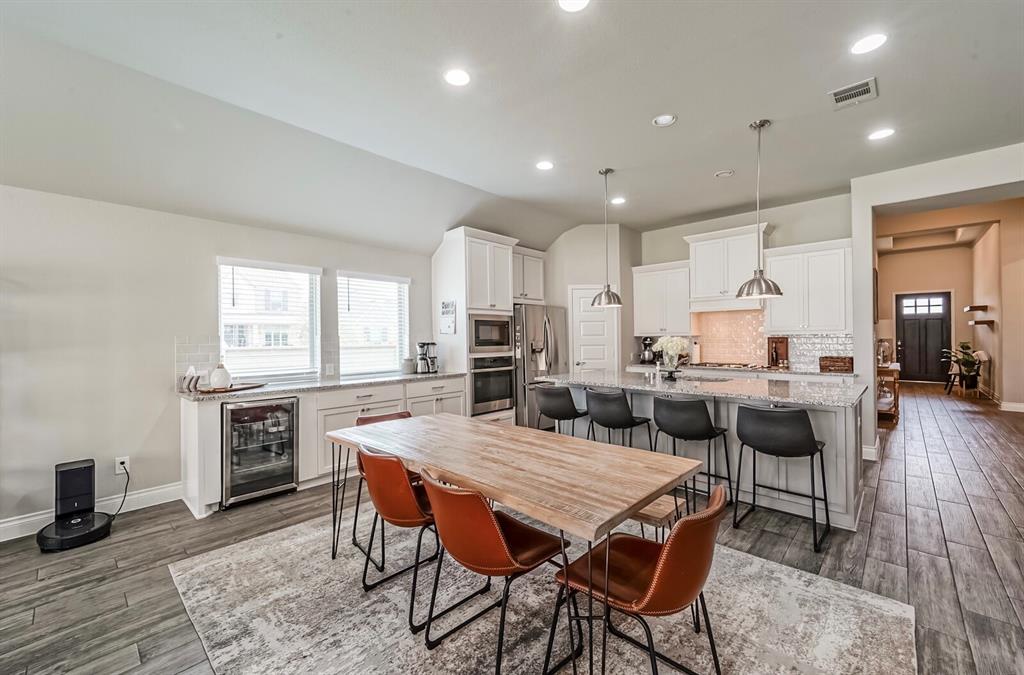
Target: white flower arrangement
(672,347)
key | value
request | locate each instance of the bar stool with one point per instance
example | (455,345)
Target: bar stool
(489,543)
(785,433)
(413,476)
(610,409)
(556,404)
(688,420)
(401,503)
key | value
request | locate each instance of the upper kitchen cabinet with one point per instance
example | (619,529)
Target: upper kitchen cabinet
(815,282)
(527,276)
(719,264)
(661,299)
(488,275)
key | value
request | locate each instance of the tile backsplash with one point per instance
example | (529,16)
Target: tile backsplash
(200,351)
(804,350)
(731,337)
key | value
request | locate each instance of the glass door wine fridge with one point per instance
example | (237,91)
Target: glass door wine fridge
(260,442)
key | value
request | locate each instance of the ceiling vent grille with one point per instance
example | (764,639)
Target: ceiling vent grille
(853,94)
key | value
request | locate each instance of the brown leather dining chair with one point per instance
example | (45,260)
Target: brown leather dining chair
(361,421)
(402,503)
(487,542)
(647,578)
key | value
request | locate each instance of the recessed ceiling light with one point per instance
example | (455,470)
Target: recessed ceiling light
(618,200)
(879,134)
(545,165)
(724,173)
(868,43)
(664,120)
(573,5)
(457,77)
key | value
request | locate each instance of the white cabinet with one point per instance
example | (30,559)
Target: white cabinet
(339,418)
(661,299)
(488,275)
(454,403)
(719,264)
(815,283)
(527,277)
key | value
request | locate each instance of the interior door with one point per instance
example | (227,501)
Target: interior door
(922,332)
(594,333)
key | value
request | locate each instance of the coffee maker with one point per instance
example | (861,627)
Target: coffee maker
(647,355)
(426,357)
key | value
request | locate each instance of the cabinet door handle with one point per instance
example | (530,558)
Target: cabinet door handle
(438,387)
(362,396)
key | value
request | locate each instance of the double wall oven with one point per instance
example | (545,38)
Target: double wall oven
(491,363)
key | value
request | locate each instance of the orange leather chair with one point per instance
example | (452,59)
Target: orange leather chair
(647,578)
(360,421)
(484,541)
(401,503)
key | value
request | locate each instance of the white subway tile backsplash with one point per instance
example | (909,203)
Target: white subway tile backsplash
(201,352)
(804,350)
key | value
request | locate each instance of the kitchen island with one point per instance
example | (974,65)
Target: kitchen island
(835,409)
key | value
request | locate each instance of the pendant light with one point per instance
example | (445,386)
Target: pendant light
(607,297)
(759,286)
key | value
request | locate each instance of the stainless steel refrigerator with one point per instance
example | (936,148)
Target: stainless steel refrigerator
(541,347)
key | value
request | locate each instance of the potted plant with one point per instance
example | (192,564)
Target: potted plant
(968,365)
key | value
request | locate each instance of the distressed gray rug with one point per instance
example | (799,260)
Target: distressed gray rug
(279,604)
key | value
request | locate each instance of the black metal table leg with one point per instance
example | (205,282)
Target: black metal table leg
(338,476)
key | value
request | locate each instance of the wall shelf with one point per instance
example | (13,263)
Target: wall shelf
(975,308)
(982,322)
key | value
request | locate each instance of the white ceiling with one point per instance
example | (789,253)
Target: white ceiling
(579,89)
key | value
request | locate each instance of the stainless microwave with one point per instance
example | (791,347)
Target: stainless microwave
(490,334)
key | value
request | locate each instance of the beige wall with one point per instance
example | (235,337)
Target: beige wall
(1007,336)
(941,269)
(799,223)
(92,295)
(987,284)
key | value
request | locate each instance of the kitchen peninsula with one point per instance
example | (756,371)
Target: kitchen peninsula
(834,407)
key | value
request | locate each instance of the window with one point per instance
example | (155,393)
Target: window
(236,335)
(275,338)
(926,305)
(373,323)
(269,319)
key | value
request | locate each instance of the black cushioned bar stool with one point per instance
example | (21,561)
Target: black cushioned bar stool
(556,404)
(610,409)
(785,433)
(688,420)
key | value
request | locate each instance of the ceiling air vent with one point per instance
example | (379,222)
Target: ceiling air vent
(853,94)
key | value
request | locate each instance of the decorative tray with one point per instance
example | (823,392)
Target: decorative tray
(240,386)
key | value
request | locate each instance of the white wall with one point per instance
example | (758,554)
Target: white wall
(798,223)
(92,295)
(578,257)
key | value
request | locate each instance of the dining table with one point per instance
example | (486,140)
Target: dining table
(580,487)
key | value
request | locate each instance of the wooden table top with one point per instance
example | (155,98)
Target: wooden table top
(583,487)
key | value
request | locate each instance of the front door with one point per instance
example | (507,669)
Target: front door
(922,332)
(594,333)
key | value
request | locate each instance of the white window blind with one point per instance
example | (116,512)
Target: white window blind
(269,320)
(373,324)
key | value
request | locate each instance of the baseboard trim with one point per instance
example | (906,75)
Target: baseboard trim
(870,452)
(1010,406)
(30,523)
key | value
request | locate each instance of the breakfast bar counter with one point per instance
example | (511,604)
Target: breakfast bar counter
(835,410)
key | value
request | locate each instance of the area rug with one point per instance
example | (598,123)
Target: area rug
(280,604)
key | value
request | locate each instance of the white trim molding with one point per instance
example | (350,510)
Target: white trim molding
(30,523)
(1010,406)
(870,452)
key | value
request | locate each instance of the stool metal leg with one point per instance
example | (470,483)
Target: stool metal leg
(650,444)
(656,439)
(814,511)
(728,471)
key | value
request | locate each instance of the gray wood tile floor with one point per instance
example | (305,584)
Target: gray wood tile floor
(942,528)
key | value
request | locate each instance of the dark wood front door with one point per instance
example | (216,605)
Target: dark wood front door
(922,332)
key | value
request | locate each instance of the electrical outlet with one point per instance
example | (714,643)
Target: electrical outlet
(118,469)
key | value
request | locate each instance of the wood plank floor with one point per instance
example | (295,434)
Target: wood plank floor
(942,528)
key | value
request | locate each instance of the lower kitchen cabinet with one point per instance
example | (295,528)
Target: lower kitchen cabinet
(454,403)
(338,418)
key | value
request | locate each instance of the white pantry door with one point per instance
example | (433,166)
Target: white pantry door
(595,333)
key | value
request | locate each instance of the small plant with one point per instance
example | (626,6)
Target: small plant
(672,347)
(963,357)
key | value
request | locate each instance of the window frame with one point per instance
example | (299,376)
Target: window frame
(404,346)
(315,318)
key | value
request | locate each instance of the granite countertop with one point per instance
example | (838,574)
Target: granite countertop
(748,369)
(818,394)
(322,384)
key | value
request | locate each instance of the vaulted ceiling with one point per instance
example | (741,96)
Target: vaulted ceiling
(334,118)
